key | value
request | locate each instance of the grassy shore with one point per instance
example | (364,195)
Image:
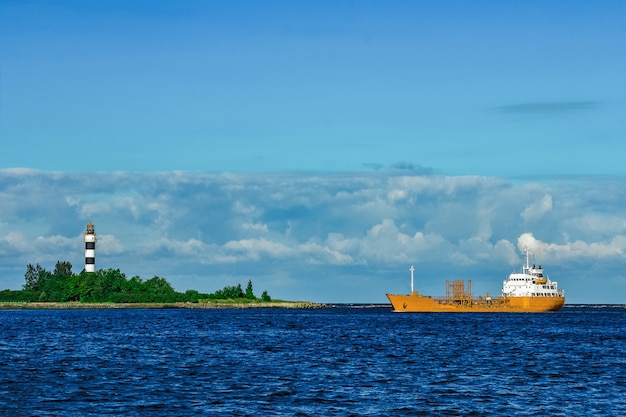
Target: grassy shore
(216,304)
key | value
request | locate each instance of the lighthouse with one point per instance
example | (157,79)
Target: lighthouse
(90,248)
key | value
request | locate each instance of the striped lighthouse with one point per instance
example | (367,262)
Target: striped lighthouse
(90,248)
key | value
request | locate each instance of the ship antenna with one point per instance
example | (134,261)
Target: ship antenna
(527,258)
(412,269)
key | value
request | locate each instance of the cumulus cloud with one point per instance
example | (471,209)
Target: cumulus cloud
(14,241)
(108,245)
(577,250)
(304,228)
(254,227)
(537,208)
(254,249)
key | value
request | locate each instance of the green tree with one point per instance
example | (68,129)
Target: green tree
(54,288)
(35,277)
(58,286)
(32,278)
(86,286)
(158,285)
(133,286)
(239,292)
(229,292)
(14,295)
(160,290)
(108,282)
(265,296)
(249,292)
(109,285)
(192,296)
(63,269)
(72,288)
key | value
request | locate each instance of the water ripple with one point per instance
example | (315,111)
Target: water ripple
(336,362)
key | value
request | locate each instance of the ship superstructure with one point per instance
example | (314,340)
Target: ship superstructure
(531,282)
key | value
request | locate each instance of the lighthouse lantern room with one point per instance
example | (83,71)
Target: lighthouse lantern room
(90,248)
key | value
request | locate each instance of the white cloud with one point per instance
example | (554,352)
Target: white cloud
(183,225)
(255,249)
(14,241)
(254,227)
(538,208)
(109,245)
(245,209)
(595,224)
(577,250)
(319,254)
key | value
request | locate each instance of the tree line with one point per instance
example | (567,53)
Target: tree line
(110,286)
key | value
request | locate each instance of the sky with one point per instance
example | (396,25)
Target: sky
(317,148)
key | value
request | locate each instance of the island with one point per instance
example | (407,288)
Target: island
(110,288)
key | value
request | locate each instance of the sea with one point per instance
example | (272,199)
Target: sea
(338,361)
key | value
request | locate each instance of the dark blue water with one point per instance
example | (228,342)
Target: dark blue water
(333,362)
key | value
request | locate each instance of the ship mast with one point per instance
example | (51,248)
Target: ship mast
(412,269)
(527,267)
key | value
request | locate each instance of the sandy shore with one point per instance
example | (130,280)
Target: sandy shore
(59,306)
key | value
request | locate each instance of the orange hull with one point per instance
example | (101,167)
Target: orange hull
(416,303)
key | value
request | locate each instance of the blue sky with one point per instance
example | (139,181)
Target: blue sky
(213,142)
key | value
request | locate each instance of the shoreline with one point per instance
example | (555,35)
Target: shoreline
(95,306)
(19,305)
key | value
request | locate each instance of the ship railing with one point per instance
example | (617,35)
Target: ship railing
(471,301)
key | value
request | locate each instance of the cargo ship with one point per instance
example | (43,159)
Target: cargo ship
(528,291)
